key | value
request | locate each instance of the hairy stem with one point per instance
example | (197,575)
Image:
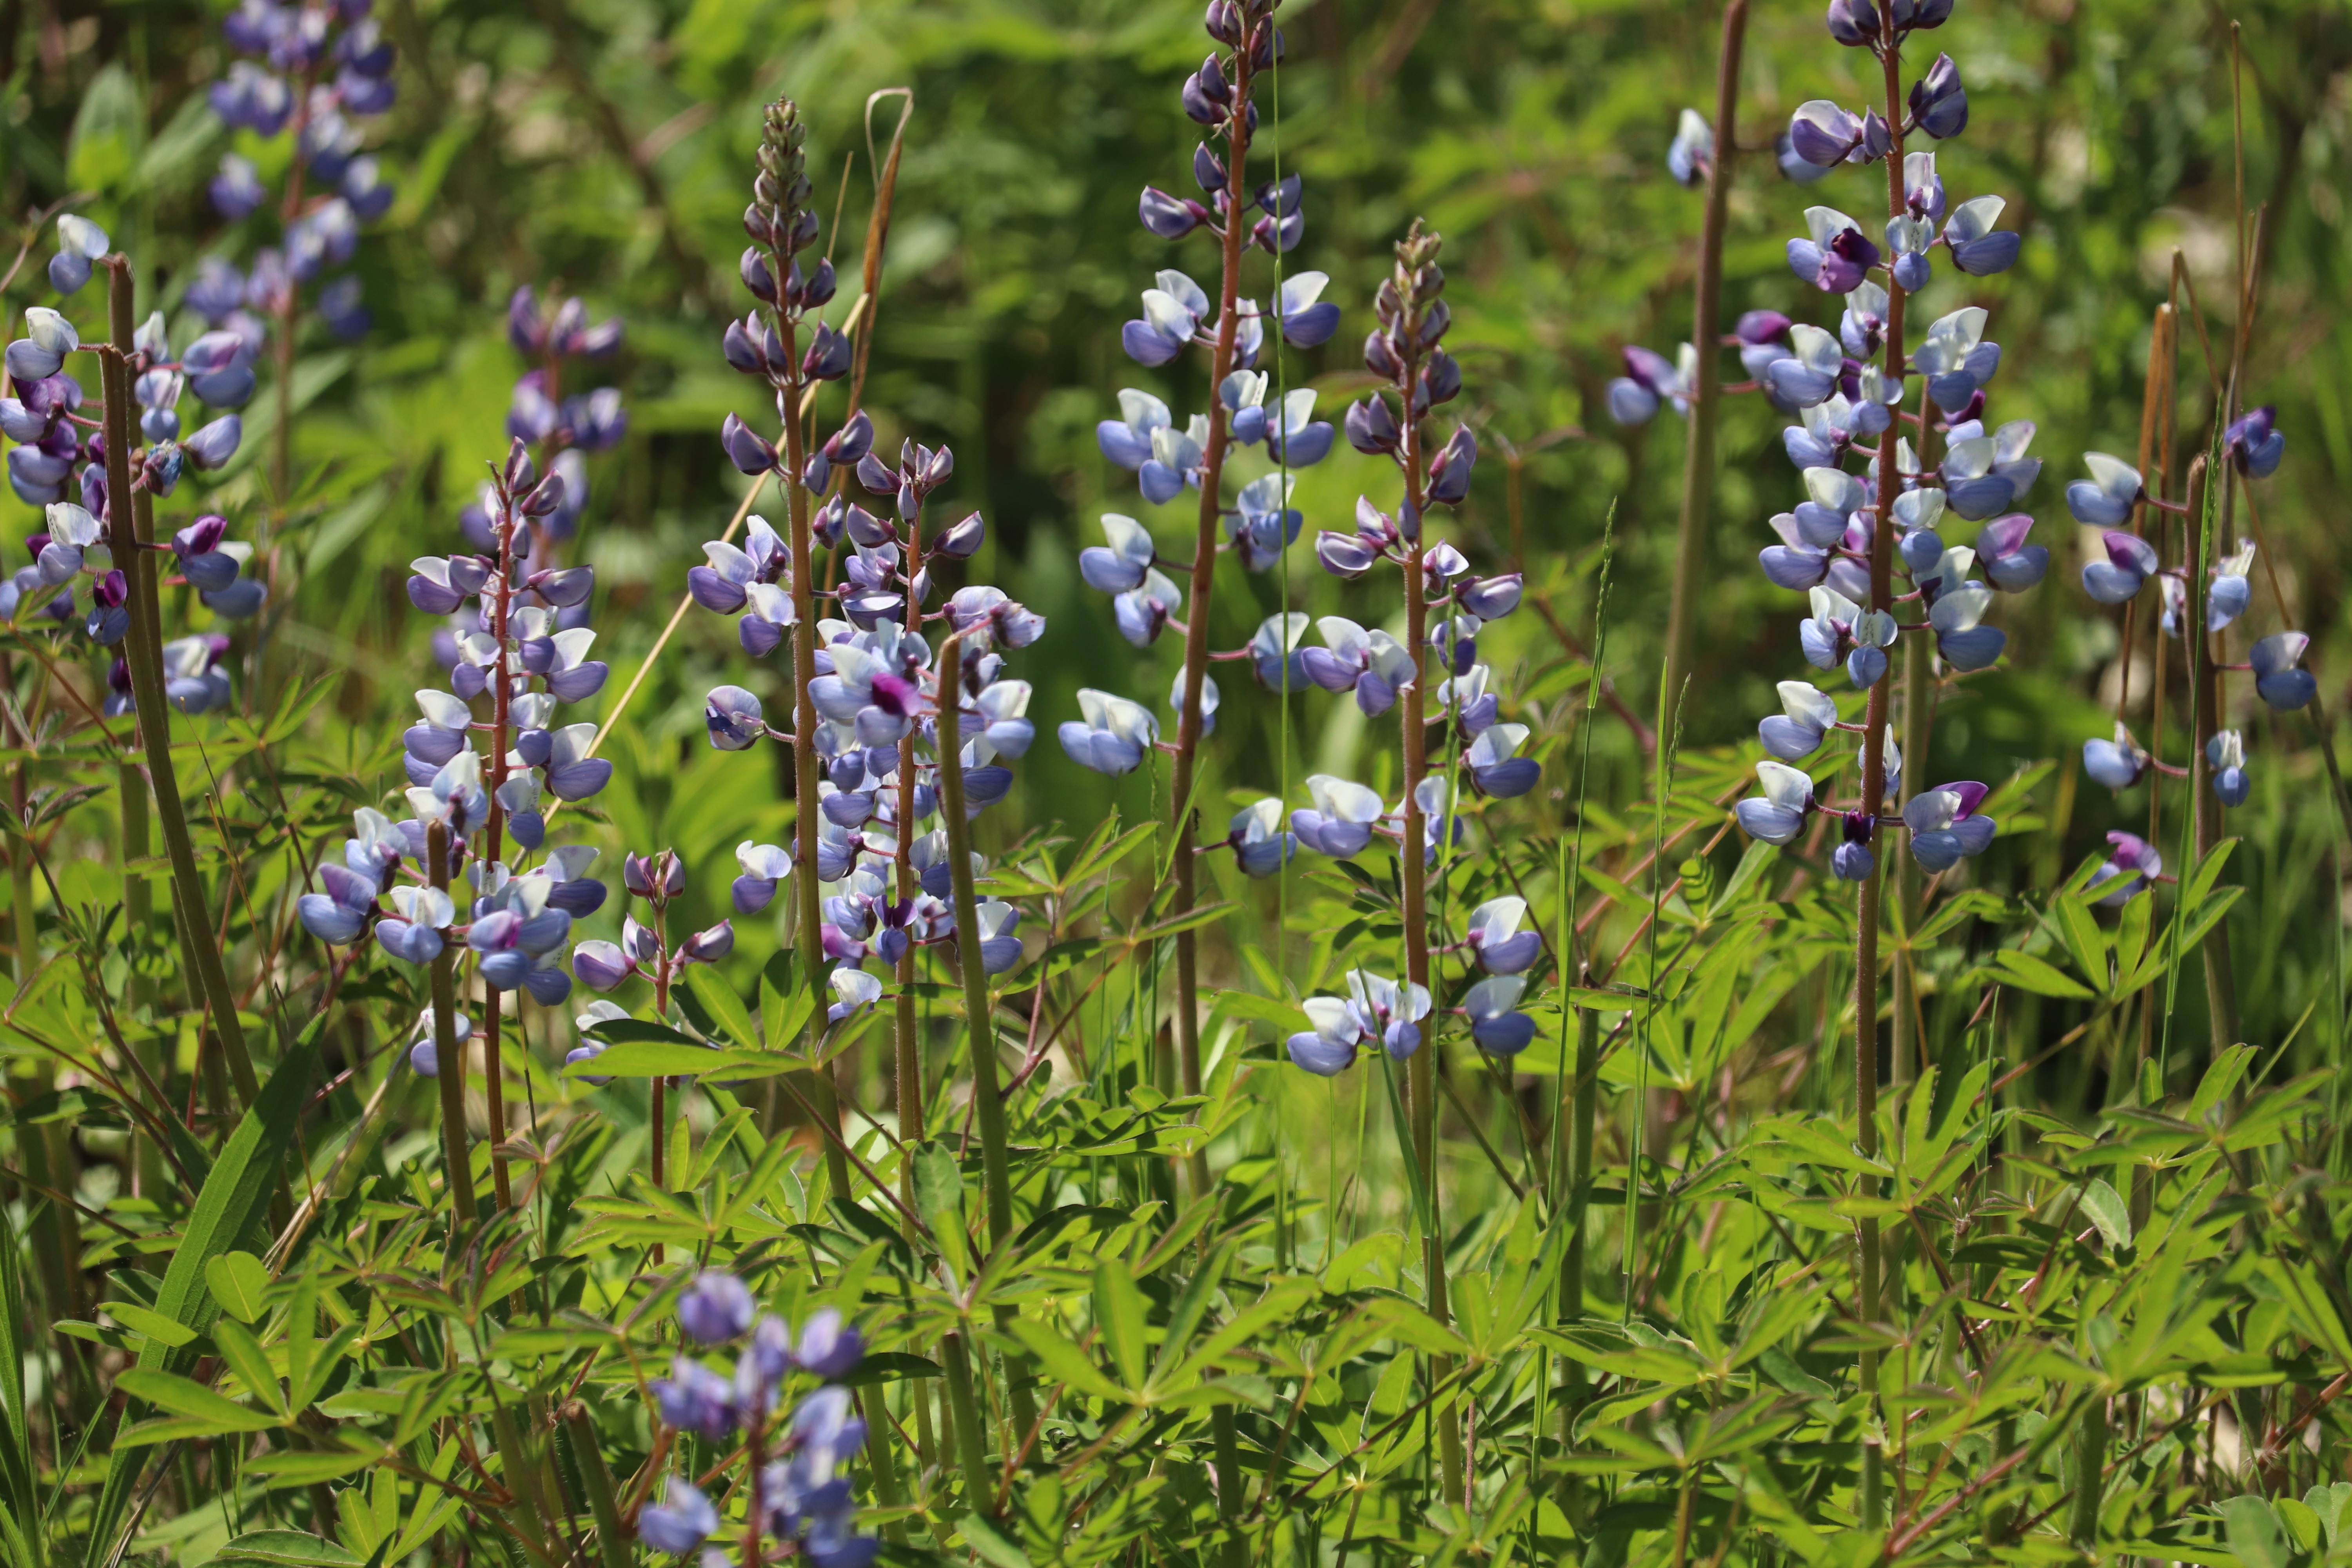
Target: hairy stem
(2089,1465)
(450,1073)
(1869,912)
(145,657)
(987,1092)
(1196,610)
(809,908)
(2221,978)
(1422,1077)
(1706,398)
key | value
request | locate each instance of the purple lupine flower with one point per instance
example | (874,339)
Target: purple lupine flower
(1778,816)
(1690,158)
(1495,1021)
(1114,735)
(1806,717)
(1261,845)
(1943,825)
(1328,1048)
(1978,248)
(1836,257)
(1496,940)
(1823,134)
(1495,766)
(2116,763)
(2232,590)
(2225,753)
(2254,442)
(679,1523)
(2279,679)
(828,1347)
(717,1308)
(2131,869)
(2130,561)
(1939,104)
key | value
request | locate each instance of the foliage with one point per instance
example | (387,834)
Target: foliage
(2114,1319)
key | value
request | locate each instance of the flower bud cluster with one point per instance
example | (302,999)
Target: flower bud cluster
(798,1482)
(561,428)
(314,70)
(644,951)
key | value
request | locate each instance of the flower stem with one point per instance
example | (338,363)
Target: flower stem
(957,1361)
(809,912)
(502,685)
(987,1093)
(1869,912)
(1707,401)
(2089,1465)
(2221,978)
(1204,562)
(612,1539)
(1918,714)
(451,1066)
(1414,253)
(144,657)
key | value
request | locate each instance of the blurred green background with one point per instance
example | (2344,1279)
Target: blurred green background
(602,148)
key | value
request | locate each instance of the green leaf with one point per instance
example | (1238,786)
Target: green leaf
(300,1468)
(783,1013)
(186,1396)
(1065,1362)
(2254,1533)
(727,1007)
(2107,1209)
(1119,1320)
(2208,872)
(153,1324)
(2220,1079)
(237,1280)
(286,1549)
(107,133)
(2086,944)
(233,1201)
(939,1198)
(249,1362)
(648,1059)
(2027,973)
(990,1544)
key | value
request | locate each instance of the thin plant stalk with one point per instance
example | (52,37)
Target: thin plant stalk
(2156,441)
(987,1092)
(808,904)
(1416,251)
(2089,1465)
(1869,912)
(2221,978)
(501,695)
(1706,396)
(144,659)
(1203,582)
(450,1074)
(964,1405)
(613,1546)
(1582,1090)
